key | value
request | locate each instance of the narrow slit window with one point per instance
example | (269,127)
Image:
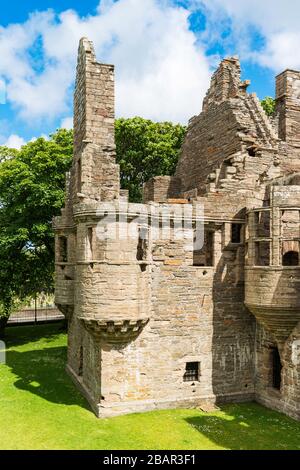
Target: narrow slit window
(79,175)
(192,372)
(141,250)
(80,368)
(276,369)
(63,249)
(236,230)
(90,236)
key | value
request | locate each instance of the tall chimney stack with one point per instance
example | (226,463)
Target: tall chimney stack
(288,106)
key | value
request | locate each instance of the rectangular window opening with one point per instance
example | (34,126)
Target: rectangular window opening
(262,253)
(236,230)
(205,256)
(63,249)
(262,224)
(192,372)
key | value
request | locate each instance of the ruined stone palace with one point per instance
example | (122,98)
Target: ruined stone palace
(156,322)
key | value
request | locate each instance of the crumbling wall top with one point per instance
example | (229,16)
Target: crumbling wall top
(225,83)
(86,48)
(93,99)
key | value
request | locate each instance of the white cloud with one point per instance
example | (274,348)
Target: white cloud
(161,72)
(2,91)
(67,123)
(277,21)
(14,142)
(269,15)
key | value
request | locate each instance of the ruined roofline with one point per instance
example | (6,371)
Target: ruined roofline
(233,59)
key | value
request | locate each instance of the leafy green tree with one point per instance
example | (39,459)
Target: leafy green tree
(32,183)
(7,153)
(268,105)
(146,149)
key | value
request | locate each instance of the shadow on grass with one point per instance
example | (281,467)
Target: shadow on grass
(249,428)
(19,335)
(42,372)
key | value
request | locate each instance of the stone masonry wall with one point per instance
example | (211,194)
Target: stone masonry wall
(161,188)
(196,315)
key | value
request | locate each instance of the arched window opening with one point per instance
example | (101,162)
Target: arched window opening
(290,258)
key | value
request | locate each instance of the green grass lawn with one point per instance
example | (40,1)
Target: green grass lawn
(41,409)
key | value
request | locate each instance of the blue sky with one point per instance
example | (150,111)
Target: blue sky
(12,14)
(164,52)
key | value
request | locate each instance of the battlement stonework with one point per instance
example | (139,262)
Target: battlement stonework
(161,321)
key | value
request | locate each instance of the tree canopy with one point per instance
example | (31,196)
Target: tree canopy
(268,104)
(146,149)
(32,183)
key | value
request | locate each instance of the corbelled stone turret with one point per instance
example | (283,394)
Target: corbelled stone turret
(273,267)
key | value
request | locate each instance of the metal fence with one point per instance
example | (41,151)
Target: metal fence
(39,315)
